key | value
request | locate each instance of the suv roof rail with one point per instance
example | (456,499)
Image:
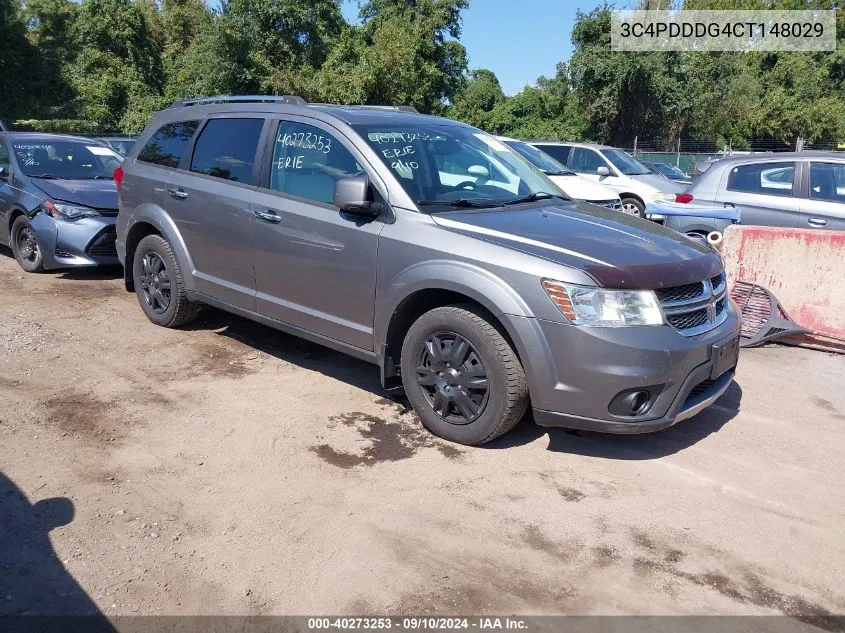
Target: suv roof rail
(291,99)
(400,108)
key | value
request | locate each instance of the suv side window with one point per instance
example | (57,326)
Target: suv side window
(167,146)
(586,161)
(226,148)
(308,161)
(827,181)
(558,152)
(773,179)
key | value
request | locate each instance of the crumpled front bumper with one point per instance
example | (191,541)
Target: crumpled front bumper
(83,242)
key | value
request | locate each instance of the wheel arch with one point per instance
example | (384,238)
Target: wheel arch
(414,293)
(14,213)
(152,220)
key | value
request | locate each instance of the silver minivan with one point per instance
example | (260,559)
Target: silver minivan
(798,190)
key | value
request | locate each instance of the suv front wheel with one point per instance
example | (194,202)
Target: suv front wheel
(159,285)
(461,376)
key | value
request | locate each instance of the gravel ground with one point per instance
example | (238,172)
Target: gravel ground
(230,469)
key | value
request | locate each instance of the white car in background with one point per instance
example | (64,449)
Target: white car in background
(567,180)
(635,183)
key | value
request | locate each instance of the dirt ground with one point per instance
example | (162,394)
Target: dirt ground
(231,469)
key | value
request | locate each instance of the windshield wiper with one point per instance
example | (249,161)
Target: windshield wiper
(469,203)
(531,197)
(44,176)
(559,173)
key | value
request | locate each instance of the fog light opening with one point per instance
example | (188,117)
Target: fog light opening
(634,402)
(639,401)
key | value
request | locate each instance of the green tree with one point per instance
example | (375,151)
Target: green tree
(118,71)
(481,94)
(17,60)
(405,52)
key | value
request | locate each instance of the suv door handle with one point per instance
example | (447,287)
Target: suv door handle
(178,194)
(816,222)
(268,216)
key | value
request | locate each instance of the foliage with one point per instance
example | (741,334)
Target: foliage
(92,65)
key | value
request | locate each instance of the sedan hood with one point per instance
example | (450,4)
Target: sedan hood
(617,250)
(97,194)
(583,188)
(660,183)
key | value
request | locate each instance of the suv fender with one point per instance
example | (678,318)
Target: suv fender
(148,219)
(451,278)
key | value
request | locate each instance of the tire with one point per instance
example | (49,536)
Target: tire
(632,206)
(489,413)
(25,246)
(159,284)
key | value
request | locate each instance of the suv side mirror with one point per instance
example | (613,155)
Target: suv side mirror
(603,171)
(350,195)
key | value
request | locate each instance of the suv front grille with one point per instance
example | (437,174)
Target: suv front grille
(680,293)
(103,244)
(697,307)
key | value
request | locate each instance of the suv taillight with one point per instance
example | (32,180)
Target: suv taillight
(683,198)
(118,176)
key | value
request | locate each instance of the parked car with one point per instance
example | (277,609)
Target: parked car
(393,236)
(668,171)
(694,220)
(567,180)
(58,202)
(803,190)
(635,183)
(120,144)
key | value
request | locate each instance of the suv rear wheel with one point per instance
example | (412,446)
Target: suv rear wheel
(158,284)
(461,376)
(25,246)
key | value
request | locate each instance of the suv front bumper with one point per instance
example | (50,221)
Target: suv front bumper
(574,372)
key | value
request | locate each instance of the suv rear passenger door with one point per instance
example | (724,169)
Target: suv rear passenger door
(824,206)
(209,200)
(764,192)
(315,267)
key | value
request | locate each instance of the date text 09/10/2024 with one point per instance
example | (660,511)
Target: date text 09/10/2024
(418,623)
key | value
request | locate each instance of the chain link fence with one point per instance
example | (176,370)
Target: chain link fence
(687,154)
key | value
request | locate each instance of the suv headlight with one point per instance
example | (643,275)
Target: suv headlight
(68,211)
(588,305)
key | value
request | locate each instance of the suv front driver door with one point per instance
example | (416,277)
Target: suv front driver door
(315,267)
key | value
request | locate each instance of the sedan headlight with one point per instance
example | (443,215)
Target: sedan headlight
(588,305)
(660,195)
(62,211)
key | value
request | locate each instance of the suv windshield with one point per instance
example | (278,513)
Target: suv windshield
(65,160)
(539,159)
(625,163)
(452,165)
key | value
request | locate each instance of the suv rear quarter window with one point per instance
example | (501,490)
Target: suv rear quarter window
(226,148)
(773,179)
(167,146)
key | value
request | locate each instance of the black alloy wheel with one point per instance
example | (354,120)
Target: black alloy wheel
(452,378)
(155,282)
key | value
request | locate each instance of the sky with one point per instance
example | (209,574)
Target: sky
(518,40)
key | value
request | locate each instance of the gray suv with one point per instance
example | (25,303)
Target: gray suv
(430,249)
